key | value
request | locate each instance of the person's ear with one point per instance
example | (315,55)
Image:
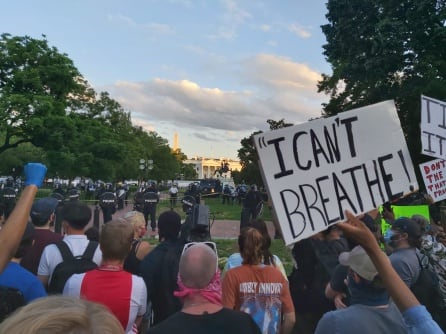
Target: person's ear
(356,277)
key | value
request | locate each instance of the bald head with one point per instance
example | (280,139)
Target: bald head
(198,266)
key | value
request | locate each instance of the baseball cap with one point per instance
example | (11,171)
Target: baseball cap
(42,209)
(408,226)
(358,260)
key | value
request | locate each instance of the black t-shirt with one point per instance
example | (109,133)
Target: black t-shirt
(222,322)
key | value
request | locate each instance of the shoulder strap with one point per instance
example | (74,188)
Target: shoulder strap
(64,250)
(136,244)
(419,261)
(90,250)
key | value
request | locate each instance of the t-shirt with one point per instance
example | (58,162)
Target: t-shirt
(260,291)
(235,260)
(51,256)
(405,263)
(222,322)
(123,293)
(14,276)
(362,319)
(173,190)
(436,253)
(42,238)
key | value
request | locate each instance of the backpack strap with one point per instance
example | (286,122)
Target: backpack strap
(64,250)
(90,250)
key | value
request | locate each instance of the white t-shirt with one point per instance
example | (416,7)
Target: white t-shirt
(51,256)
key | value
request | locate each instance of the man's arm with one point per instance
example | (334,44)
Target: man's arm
(289,320)
(14,227)
(401,294)
(44,279)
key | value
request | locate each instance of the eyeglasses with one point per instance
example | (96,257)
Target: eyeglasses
(212,245)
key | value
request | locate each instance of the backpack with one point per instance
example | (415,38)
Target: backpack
(427,290)
(71,265)
(10,300)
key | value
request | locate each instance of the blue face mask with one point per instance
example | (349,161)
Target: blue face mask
(388,235)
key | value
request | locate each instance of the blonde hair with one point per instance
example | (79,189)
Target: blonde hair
(61,315)
(116,240)
(135,218)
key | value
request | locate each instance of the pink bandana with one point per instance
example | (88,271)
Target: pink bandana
(212,292)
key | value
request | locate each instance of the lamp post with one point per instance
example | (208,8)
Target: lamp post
(146,165)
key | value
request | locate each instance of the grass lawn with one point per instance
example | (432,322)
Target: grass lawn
(218,210)
(226,247)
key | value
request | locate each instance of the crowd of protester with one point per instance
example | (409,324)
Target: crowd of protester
(349,278)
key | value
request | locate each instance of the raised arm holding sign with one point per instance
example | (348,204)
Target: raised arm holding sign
(316,170)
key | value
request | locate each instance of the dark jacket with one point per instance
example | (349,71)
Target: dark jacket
(159,269)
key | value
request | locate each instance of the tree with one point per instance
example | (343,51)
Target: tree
(46,104)
(386,49)
(249,158)
(37,85)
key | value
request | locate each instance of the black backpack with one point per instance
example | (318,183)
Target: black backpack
(427,290)
(71,265)
(10,300)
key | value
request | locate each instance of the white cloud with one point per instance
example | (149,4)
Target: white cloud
(233,16)
(152,27)
(278,87)
(273,88)
(299,30)
(265,27)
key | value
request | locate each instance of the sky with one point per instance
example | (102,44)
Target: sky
(212,71)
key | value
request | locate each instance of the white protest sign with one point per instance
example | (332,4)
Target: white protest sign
(433,127)
(314,171)
(434,177)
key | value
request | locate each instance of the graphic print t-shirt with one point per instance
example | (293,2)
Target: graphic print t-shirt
(261,291)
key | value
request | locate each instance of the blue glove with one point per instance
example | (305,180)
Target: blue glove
(34,173)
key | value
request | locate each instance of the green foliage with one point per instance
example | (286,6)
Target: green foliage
(249,158)
(386,49)
(46,103)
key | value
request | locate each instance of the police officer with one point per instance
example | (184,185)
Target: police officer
(107,202)
(8,201)
(251,205)
(121,195)
(151,199)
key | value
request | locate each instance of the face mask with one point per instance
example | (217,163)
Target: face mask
(388,235)
(394,240)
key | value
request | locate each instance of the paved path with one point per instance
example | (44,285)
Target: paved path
(220,229)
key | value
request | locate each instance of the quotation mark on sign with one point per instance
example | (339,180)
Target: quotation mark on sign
(261,141)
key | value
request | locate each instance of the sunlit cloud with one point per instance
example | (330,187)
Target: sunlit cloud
(299,31)
(279,88)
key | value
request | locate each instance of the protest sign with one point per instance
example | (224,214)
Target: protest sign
(434,177)
(314,171)
(433,127)
(405,211)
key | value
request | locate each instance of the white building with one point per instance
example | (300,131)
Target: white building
(207,167)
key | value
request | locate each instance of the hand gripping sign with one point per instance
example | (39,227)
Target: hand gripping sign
(314,171)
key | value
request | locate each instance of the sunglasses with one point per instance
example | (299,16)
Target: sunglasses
(210,244)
